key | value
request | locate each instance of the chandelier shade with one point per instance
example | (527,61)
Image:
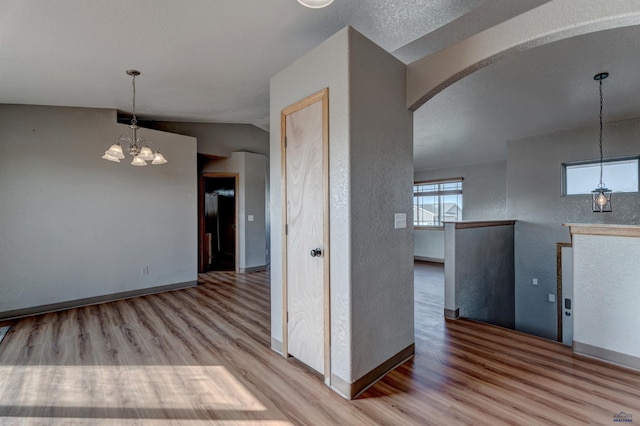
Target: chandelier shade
(138,147)
(315,4)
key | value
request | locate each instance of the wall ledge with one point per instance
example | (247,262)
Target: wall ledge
(606,230)
(483,223)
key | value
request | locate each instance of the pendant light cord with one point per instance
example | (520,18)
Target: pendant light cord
(134,121)
(601,157)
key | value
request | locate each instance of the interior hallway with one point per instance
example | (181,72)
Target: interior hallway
(202,356)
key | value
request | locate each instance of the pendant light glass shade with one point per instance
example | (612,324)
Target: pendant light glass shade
(110,158)
(137,161)
(158,159)
(115,151)
(315,4)
(146,154)
(601,200)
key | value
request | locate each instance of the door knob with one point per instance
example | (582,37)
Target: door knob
(316,252)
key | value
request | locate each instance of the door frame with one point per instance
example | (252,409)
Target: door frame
(201,179)
(559,296)
(322,96)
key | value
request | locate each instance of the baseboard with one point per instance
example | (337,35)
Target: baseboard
(451,314)
(428,259)
(254,269)
(357,388)
(276,345)
(607,355)
(78,303)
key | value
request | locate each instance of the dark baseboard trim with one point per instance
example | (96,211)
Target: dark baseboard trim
(607,355)
(357,388)
(428,259)
(78,303)
(254,269)
(451,314)
(276,345)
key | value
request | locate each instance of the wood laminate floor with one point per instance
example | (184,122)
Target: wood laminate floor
(202,356)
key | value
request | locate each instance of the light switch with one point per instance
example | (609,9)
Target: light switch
(400,220)
(552,297)
(250,218)
(534,281)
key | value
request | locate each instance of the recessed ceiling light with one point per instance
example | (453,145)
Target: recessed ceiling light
(315,4)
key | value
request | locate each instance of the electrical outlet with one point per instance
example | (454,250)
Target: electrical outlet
(534,281)
(552,297)
(144,270)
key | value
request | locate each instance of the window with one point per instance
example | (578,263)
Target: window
(617,175)
(436,202)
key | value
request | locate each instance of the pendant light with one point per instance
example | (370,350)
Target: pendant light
(139,148)
(601,196)
(315,4)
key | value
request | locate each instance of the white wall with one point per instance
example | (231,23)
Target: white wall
(370,178)
(428,244)
(606,294)
(251,169)
(534,176)
(484,190)
(74,226)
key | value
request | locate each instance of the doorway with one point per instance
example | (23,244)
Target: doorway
(305,147)
(218,222)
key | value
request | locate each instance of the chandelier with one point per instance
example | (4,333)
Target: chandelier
(601,196)
(139,148)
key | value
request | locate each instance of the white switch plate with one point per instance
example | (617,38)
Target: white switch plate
(552,297)
(400,220)
(250,218)
(534,281)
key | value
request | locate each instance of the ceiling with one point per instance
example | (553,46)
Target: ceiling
(211,61)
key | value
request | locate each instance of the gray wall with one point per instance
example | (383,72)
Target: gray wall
(484,274)
(370,157)
(218,139)
(484,198)
(381,149)
(74,226)
(534,176)
(251,170)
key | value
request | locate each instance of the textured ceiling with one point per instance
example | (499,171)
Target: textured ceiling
(201,60)
(211,61)
(542,90)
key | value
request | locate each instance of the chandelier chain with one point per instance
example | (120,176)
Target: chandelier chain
(134,120)
(601,157)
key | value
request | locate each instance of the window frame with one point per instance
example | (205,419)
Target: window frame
(563,189)
(432,182)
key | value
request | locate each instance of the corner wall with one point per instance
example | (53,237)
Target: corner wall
(74,226)
(370,173)
(381,153)
(534,176)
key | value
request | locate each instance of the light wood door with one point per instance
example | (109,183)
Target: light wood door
(305,235)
